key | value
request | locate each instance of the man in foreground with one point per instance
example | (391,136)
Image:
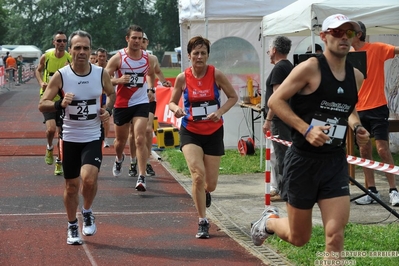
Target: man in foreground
(81,85)
(323,95)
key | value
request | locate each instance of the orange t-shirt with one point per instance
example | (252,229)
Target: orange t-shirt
(372,93)
(11,62)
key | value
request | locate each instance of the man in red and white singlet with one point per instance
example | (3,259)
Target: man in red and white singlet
(130,68)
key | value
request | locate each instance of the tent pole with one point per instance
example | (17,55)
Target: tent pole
(206,28)
(263,95)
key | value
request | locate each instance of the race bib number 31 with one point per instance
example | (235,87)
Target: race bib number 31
(338,127)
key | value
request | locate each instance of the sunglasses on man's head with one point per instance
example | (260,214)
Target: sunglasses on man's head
(337,33)
(61,40)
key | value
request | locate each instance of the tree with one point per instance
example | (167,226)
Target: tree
(168,35)
(35,21)
(3,19)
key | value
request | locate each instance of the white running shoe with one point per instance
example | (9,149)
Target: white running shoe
(106,144)
(89,226)
(259,231)
(394,198)
(73,237)
(140,185)
(117,168)
(365,200)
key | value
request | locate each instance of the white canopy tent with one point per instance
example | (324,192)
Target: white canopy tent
(305,17)
(228,21)
(3,51)
(27,51)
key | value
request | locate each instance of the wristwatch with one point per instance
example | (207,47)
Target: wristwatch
(356,128)
(152,90)
(109,110)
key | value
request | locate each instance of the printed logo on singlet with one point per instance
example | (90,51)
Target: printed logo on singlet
(83,82)
(83,109)
(340,90)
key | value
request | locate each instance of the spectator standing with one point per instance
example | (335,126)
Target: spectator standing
(374,113)
(279,49)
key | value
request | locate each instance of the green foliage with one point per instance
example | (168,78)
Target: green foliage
(3,19)
(34,22)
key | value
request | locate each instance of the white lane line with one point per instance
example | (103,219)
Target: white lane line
(94,212)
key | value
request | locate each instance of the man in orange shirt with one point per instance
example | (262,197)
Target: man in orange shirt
(373,111)
(11,66)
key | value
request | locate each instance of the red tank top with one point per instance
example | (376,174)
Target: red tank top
(201,97)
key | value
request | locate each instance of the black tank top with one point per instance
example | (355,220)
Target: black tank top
(331,103)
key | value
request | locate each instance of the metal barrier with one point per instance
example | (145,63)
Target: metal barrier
(10,77)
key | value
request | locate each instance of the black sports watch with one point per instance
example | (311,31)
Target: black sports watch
(109,110)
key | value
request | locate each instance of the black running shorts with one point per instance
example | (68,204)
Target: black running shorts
(211,144)
(75,154)
(309,177)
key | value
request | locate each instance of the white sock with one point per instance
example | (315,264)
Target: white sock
(133,160)
(50,147)
(203,220)
(71,224)
(86,211)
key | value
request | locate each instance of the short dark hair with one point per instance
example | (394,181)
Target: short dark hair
(363,30)
(80,33)
(317,47)
(198,40)
(282,44)
(58,32)
(133,28)
(101,50)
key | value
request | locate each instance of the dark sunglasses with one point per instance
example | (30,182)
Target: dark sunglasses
(63,40)
(337,33)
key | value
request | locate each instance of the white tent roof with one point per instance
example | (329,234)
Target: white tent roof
(200,9)
(30,51)
(303,16)
(3,51)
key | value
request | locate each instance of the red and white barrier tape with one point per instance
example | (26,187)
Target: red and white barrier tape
(383,167)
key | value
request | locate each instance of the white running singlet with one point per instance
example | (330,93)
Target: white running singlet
(81,119)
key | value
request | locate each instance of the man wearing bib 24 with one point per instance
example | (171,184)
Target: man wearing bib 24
(201,131)
(81,85)
(323,95)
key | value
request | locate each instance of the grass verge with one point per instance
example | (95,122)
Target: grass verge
(170,72)
(366,239)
